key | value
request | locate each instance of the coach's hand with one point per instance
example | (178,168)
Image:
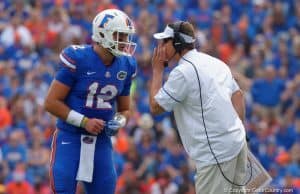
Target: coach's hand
(159,58)
(94,126)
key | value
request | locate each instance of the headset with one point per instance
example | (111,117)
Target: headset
(179,42)
(208,141)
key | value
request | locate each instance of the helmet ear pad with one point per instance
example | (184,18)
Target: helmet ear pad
(178,40)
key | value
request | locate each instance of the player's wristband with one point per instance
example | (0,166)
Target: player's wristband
(74,118)
(83,122)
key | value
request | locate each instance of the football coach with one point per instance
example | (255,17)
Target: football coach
(208,106)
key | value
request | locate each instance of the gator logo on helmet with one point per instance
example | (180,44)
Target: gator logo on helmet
(104,21)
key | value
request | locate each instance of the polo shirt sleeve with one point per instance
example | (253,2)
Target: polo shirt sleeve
(231,84)
(234,86)
(173,92)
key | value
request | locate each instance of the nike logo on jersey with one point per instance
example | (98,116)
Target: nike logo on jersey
(90,72)
(64,142)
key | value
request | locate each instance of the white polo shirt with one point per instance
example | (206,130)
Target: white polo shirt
(181,94)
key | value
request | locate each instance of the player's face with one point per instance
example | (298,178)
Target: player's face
(122,38)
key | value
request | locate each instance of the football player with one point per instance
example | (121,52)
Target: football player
(90,98)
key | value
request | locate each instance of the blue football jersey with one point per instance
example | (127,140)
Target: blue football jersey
(94,86)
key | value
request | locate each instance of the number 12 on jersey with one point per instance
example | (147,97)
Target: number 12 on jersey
(102,98)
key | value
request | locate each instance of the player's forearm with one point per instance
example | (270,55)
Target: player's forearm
(123,107)
(54,102)
(62,111)
(239,104)
(57,108)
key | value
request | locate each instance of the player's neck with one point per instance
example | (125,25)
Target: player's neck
(106,57)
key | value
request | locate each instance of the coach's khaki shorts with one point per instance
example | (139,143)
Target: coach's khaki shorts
(209,179)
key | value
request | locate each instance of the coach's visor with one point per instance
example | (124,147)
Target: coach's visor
(167,33)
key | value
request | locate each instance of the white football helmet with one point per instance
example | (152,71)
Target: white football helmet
(107,27)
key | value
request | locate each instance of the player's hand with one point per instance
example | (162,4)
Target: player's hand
(159,58)
(112,127)
(94,126)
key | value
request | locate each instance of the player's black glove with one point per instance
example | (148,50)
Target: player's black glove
(112,127)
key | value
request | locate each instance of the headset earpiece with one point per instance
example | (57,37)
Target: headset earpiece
(178,41)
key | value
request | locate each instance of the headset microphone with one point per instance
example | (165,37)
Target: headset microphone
(166,63)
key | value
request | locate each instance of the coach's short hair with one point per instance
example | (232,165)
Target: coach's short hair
(188,29)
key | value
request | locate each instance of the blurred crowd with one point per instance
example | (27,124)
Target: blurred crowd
(258,39)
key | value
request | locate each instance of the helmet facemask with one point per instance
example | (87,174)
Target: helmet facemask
(122,43)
